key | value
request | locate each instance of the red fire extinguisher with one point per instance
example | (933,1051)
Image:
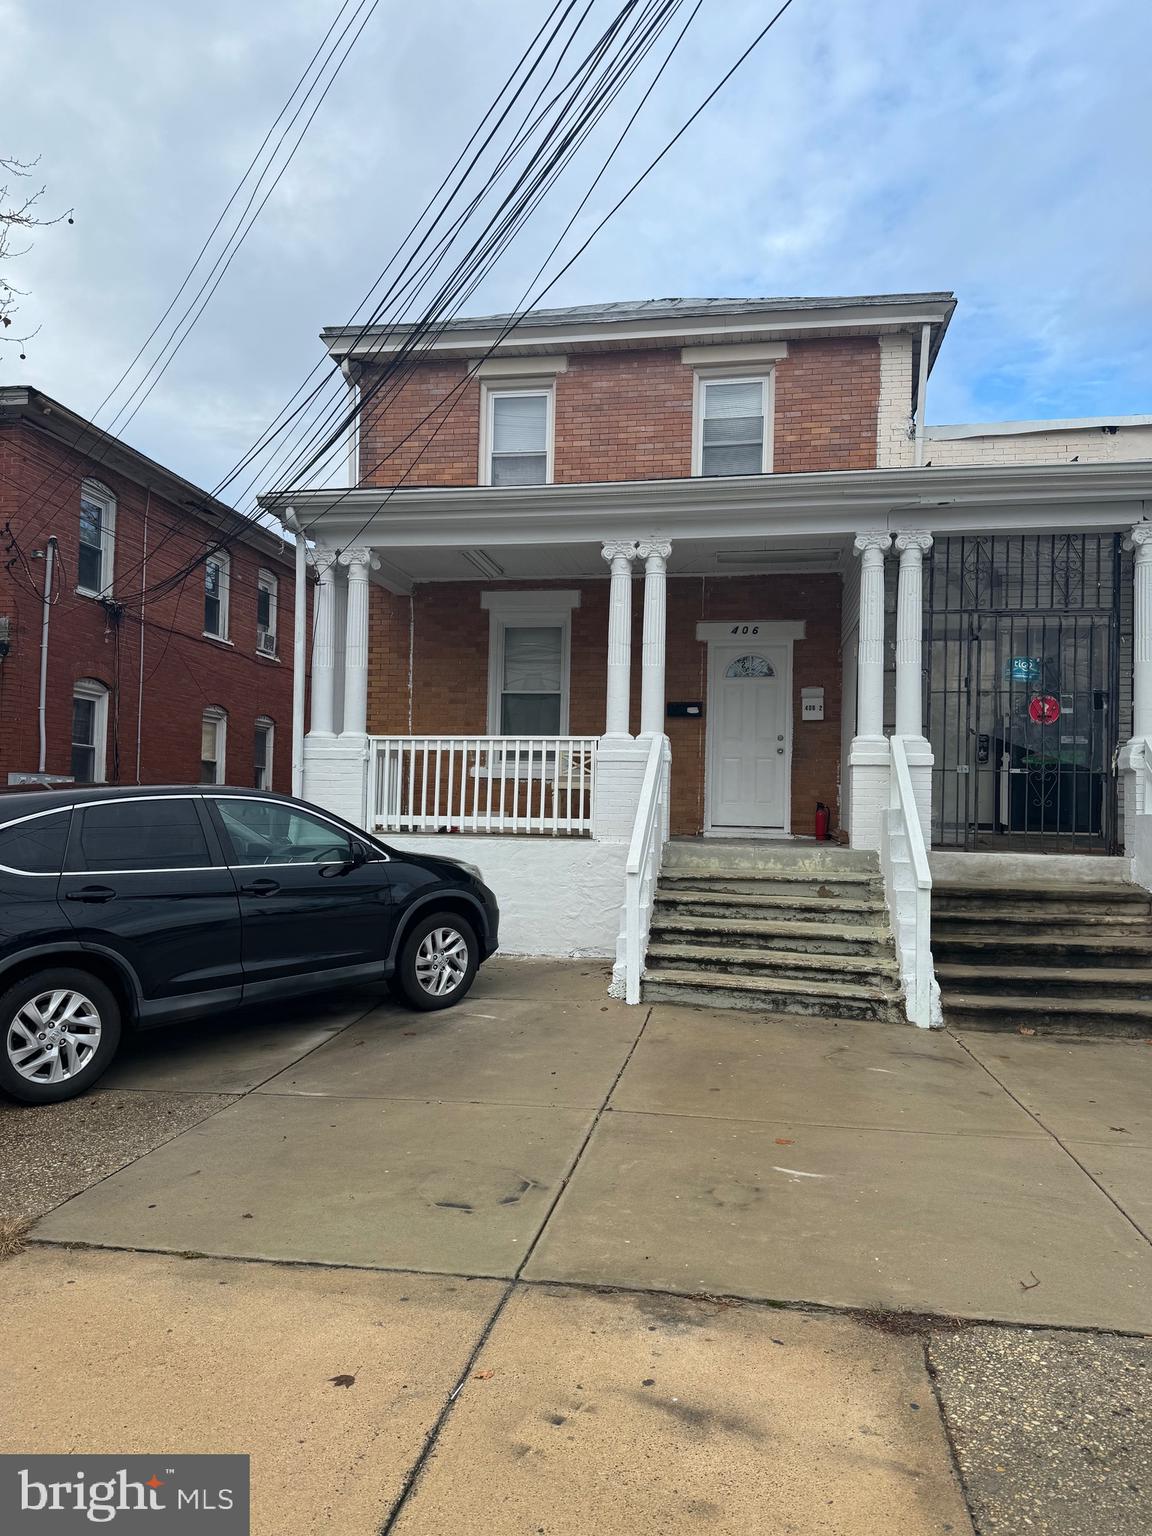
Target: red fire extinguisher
(821,822)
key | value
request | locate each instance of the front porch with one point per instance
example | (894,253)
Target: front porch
(560,678)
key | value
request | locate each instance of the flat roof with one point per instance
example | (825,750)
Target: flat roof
(1024,428)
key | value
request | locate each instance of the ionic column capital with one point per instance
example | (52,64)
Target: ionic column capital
(323,562)
(873,541)
(359,554)
(655,553)
(615,550)
(1140,540)
(913,542)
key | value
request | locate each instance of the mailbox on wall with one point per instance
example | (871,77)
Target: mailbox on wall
(811,704)
(680,709)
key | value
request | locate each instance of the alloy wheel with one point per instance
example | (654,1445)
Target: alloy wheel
(54,1035)
(441,961)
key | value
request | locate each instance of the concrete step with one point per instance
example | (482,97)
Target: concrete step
(878,970)
(1110,1017)
(760,934)
(998,914)
(1047,980)
(1093,893)
(730,854)
(1042,947)
(785,907)
(814,999)
(847,883)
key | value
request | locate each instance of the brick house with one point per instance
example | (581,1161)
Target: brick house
(141,684)
(690,568)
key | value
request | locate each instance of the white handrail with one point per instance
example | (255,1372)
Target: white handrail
(645,851)
(537,784)
(908,885)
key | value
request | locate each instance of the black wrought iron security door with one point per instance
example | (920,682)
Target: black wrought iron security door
(1023,683)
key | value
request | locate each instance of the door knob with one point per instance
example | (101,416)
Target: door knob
(780,751)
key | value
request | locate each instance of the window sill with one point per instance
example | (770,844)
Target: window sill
(267,656)
(97,597)
(218,639)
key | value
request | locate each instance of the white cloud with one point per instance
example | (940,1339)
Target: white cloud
(997,149)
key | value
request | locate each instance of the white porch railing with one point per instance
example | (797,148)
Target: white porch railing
(645,854)
(1139,785)
(908,885)
(534,784)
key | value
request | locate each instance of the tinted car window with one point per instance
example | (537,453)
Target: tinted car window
(143,834)
(265,832)
(35,847)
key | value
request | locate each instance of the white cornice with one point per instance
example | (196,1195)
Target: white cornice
(956,499)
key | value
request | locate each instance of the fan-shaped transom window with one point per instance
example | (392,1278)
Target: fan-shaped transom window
(750,666)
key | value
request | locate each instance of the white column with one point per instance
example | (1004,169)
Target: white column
(655,557)
(869,758)
(358,560)
(1139,541)
(912,546)
(620,556)
(323,646)
(910,633)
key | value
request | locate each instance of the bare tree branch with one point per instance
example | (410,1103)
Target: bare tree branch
(18,211)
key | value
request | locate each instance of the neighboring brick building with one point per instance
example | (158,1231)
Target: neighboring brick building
(721,525)
(143,684)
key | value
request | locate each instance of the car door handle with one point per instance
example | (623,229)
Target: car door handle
(260,888)
(91,893)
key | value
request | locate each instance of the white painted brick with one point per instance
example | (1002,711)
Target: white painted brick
(894,445)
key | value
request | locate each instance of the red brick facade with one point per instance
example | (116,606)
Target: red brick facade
(448,658)
(626,416)
(158,642)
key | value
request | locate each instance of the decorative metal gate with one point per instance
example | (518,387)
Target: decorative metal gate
(1022,634)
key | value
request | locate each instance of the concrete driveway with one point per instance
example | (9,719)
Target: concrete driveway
(549,1237)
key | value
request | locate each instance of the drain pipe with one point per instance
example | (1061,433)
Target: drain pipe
(49,562)
(299,648)
(922,394)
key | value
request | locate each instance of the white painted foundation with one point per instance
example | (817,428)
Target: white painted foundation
(558,896)
(1049,868)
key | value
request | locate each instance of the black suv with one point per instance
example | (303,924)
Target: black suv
(132,907)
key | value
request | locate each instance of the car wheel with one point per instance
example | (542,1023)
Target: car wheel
(437,962)
(60,1030)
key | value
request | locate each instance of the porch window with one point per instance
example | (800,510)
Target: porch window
(518,437)
(731,427)
(532,691)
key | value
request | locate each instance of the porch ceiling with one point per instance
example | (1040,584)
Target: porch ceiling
(404,566)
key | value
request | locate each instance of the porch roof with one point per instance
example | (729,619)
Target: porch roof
(792,522)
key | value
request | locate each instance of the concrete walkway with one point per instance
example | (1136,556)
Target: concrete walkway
(606,1208)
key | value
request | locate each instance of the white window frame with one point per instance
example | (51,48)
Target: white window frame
(219,717)
(528,610)
(92,688)
(268,581)
(101,496)
(223,560)
(766,378)
(488,395)
(267,727)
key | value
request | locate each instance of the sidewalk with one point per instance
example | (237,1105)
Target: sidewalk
(625,1216)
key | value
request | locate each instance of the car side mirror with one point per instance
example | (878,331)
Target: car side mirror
(359,856)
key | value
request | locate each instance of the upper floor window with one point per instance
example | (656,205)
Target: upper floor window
(97,539)
(213,743)
(732,422)
(267,588)
(517,437)
(89,731)
(216,582)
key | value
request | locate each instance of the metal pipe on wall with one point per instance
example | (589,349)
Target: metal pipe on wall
(299,648)
(49,563)
(922,393)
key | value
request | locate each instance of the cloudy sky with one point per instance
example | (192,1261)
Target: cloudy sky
(995,147)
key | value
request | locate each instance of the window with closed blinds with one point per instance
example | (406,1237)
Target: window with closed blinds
(518,438)
(732,428)
(532,686)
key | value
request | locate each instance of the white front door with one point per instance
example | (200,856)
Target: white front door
(749,735)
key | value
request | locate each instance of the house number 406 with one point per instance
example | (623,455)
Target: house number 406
(745,629)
